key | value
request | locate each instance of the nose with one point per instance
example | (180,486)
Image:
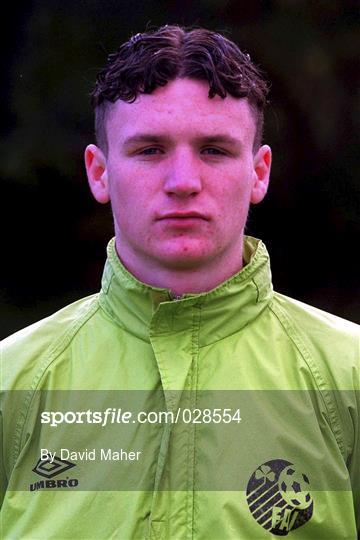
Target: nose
(183,176)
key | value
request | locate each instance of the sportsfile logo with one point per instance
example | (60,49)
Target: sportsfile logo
(49,469)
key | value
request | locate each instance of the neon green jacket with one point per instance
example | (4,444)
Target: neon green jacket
(263,440)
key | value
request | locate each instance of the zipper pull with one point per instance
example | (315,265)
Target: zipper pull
(176,296)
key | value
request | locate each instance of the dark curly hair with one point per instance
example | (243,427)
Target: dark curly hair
(152,59)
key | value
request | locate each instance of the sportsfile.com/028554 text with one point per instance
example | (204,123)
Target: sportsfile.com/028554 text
(120,416)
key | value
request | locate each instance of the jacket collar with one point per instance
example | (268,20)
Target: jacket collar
(226,309)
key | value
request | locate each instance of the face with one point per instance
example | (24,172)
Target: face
(180,173)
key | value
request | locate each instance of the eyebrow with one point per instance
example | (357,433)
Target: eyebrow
(218,139)
(145,138)
(158,138)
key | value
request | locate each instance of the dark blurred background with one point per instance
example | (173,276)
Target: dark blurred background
(54,234)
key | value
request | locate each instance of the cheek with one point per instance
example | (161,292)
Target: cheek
(233,215)
(129,192)
(233,200)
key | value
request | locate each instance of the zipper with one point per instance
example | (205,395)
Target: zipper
(175,297)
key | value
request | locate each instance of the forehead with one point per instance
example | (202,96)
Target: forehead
(182,107)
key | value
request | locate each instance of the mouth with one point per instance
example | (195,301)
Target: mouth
(183,216)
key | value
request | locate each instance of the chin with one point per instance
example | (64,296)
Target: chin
(185,257)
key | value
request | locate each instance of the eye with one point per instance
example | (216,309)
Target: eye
(151,151)
(211,151)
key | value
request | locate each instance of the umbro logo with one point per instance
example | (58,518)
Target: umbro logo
(48,469)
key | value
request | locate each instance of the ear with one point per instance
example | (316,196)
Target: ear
(96,169)
(262,165)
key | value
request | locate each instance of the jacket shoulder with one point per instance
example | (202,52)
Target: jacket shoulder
(331,343)
(23,353)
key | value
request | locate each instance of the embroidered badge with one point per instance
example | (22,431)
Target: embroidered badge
(279,498)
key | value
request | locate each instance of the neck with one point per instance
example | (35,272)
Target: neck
(180,281)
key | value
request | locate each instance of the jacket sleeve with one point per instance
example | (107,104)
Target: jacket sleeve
(3,479)
(332,346)
(354,461)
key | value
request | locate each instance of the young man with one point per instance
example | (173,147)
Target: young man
(187,399)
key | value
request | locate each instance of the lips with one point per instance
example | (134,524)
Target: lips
(183,215)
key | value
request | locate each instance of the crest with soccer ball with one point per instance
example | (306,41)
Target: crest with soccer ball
(279,498)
